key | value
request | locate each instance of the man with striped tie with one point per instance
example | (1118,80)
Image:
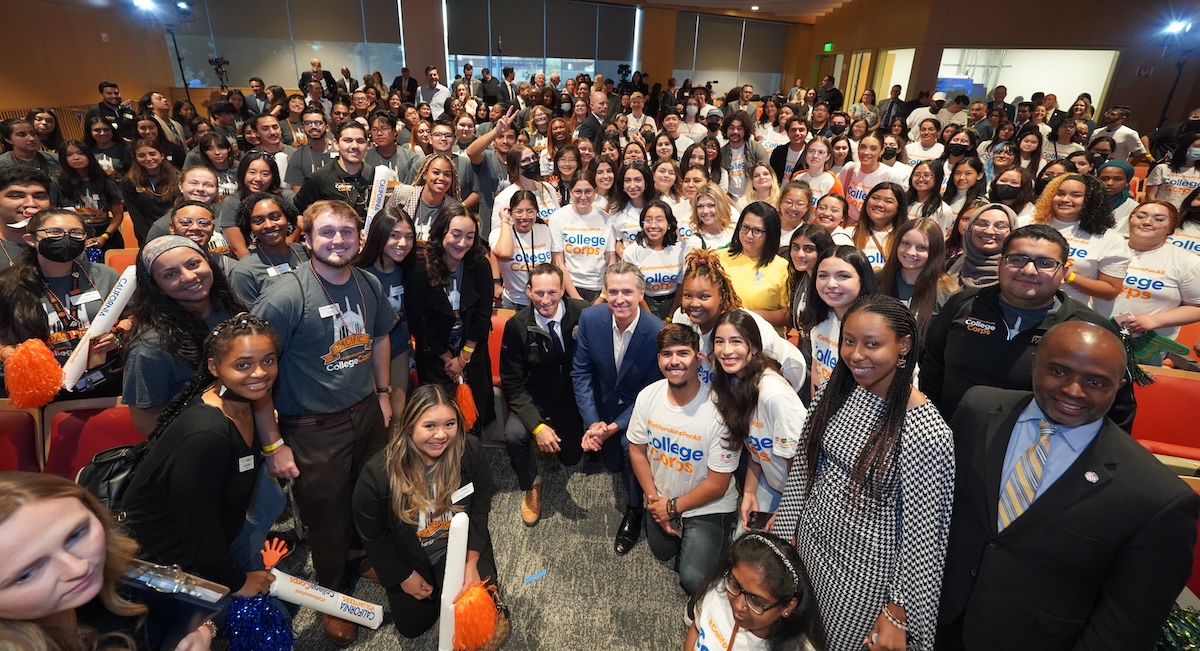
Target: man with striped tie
(1066,533)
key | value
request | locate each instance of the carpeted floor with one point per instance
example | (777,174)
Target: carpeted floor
(589,598)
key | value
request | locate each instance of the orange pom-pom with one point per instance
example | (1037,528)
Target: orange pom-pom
(474,617)
(32,375)
(466,403)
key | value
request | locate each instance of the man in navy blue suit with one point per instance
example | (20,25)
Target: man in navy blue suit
(615,358)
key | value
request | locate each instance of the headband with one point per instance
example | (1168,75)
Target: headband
(161,245)
(778,552)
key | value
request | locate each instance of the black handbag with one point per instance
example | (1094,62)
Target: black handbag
(178,602)
(110,472)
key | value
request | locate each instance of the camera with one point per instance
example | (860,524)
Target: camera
(218,62)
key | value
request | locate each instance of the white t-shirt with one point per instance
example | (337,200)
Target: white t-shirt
(775,428)
(683,444)
(919,115)
(858,184)
(583,240)
(1092,255)
(714,624)
(791,362)
(737,171)
(946,117)
(1187,238)
(944,216)
(626,224)
(1128,141)
(529,250)
(792,160)
(547,200)
(635,125)
(824,340)
(1157,281)
(821,183)
(918,154)
(1173,186)
(662,269)
(1052,151)
(720,240)
(875,248)
(842,236)
(1121,213)
(682,142)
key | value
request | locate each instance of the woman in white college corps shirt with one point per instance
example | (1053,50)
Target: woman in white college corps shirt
(1075,205)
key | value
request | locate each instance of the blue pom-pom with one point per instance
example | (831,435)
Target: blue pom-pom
(254,624)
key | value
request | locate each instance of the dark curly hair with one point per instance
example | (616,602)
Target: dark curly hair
(1096,217)
(176,328)
(246,207)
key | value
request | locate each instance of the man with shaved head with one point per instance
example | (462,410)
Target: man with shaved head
(1066,533)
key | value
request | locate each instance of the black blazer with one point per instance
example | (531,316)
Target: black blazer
(590,128)
(330,90)
(408,89)
(536,381)
(432,318)
(1009,109)
(1094,563)
(779,161)
(392,545)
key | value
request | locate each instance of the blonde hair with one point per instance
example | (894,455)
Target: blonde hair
(411,494)
(18,489)
(724,210)
(773,198)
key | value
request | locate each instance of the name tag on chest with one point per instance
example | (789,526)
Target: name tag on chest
(327,311)
(246,463)
(462,493)
(85,297)
(280,268)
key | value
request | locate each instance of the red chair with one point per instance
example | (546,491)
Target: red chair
(495,338)
(76,430)
(1161,425)
(120,259)
(20,438)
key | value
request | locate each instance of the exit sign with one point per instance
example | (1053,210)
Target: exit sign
(829,47)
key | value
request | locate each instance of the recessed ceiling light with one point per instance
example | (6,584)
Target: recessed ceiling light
(753,7)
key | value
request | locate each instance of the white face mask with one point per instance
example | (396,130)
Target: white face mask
(693,110)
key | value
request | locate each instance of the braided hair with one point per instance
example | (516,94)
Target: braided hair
(705,263)
(871,476)
(216,346)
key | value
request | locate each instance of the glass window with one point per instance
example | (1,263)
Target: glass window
(976,73)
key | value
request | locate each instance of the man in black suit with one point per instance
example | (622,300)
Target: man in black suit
(598,107)
(1066,533)
(315,73)
(998,96)
(406,85)
(489,88)
(509,93)
(535,375)
(346,84)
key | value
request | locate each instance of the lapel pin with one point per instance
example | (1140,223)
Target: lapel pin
(1091,477)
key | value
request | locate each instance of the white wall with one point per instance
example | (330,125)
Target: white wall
(1066,73)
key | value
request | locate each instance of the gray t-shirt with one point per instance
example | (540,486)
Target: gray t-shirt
(253,272)
(91,286)
(10,253)
(326,335)
(153,376)
(305,162)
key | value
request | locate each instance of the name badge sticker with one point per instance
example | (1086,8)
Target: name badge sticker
(246,463)
(462,493)
(86,297)
(327,311)
(280,268)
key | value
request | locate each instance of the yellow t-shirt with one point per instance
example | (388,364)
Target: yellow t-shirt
(760,288)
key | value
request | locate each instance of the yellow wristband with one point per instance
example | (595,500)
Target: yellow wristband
(1071,277)
(538,430)
(105,235)
(468,349)
(267,449)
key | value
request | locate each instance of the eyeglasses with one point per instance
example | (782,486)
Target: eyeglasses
(313,123)
(188,223)
(999,227)
(750,230)
(928,176)
(1018,261)
(442,135)
(77,233)
(793,203)
(753,601)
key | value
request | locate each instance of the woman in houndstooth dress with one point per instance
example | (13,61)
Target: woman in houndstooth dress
(868,500)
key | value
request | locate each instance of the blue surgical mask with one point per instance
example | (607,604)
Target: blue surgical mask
(1193,153)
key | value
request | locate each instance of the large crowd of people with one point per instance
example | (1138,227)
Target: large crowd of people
(861,365)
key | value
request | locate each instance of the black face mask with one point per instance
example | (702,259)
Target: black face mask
(1004,192)
(531,170)
(837,129)
(1099,159)
(61,249)
(889,153)
(957,148)
(713,126)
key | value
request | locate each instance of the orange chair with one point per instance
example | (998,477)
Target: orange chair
(76,430)
(495,338)
(20,439)
(120,259)
(1160,424)
(127,233)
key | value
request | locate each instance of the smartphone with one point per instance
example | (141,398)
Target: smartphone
(757,520)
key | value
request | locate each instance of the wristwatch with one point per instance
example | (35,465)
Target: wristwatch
(387,390)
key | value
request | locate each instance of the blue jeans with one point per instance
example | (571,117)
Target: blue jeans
(705,538)
(265,506)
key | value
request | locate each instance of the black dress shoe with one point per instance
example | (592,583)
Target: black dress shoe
(630,529)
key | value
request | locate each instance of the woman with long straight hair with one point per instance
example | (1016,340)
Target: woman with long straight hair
(754,266)
(83,186)
(867,502)
(914,272)
(387,254)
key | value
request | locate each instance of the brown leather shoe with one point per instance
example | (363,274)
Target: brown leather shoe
(340,631)
(531,506)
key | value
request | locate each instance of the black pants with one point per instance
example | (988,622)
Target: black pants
(330,457)
(478,374)
(412,616)
(522,452)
